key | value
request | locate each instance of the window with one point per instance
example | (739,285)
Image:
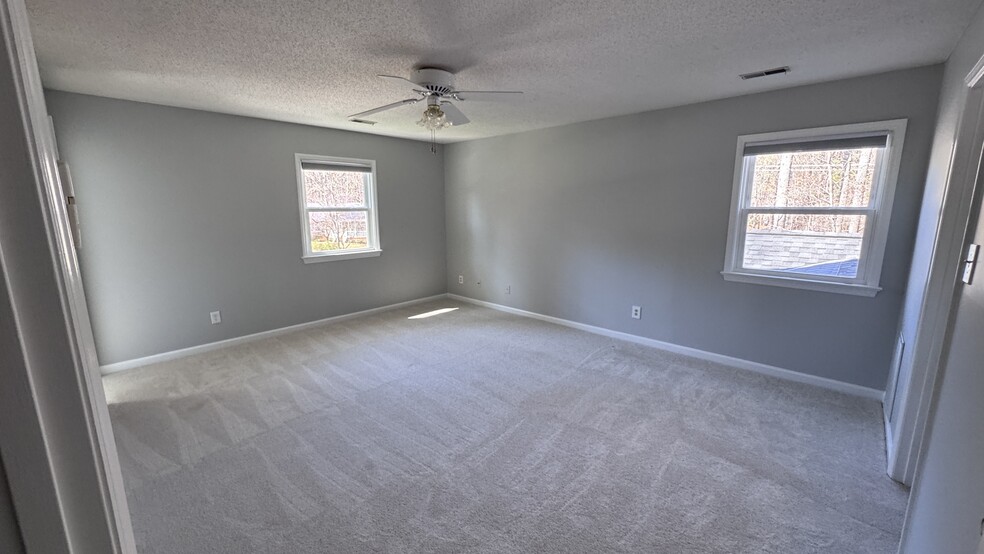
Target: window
(810,208)
(337,198)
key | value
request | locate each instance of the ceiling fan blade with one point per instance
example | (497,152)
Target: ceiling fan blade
(402,81)
(384,108)
(483,94)
(453,114)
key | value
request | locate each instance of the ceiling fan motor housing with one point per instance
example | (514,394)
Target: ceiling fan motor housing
(434,80)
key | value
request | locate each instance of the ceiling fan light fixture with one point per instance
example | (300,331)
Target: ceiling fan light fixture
(434,119)
(437,88)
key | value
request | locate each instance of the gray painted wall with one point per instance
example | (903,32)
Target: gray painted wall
(184,212)
(947,500)
(585,220)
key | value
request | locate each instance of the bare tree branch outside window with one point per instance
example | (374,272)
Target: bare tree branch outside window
(819,184)
(337,209)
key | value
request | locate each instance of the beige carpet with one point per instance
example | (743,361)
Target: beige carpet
(477,431)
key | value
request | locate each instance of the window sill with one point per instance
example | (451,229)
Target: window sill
(318,258)
(800,283)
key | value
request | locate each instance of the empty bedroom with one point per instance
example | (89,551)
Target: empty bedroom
(485,276)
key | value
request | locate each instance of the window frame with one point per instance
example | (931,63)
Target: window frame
(878,211)
(374,247)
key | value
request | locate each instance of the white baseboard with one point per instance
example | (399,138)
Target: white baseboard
(175,354)
(790,375)
(787,374)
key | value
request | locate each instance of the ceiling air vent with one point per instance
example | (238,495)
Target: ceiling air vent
(765,73)
(363,121)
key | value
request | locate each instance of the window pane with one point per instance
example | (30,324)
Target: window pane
(338,231)
(828,245)
(815,179)
(334,189)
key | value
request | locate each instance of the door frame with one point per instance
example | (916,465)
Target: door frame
(56,438)
(938,299)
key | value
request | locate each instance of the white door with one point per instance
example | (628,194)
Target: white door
(917,376)
(946,512)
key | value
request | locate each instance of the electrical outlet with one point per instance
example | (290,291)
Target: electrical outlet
(508,289)
(636,312)
(216,317)
(461,279)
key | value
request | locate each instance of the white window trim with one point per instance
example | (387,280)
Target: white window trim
(307,255)
(876,237)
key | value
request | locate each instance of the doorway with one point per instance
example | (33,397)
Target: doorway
(58,450)
(932,288)
(946,508)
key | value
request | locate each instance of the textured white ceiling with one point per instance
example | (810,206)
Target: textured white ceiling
(315,61)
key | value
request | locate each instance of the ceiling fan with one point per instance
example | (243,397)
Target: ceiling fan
(436,87)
